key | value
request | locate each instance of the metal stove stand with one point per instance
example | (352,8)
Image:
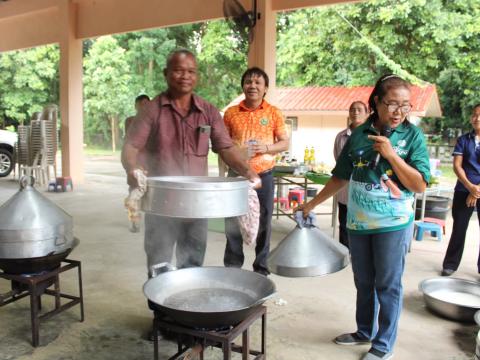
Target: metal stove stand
(223,339)
(38,285)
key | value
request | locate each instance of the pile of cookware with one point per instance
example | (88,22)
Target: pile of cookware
(202,297)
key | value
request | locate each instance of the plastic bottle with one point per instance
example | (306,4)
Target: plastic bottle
(306,156)
(312,156)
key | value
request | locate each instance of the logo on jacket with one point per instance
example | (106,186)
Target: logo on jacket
(399,148)
(264,121)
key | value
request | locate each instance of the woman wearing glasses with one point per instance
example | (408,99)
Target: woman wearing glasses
(466,164)
(385,162)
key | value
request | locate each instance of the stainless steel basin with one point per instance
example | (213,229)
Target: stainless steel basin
(455,299)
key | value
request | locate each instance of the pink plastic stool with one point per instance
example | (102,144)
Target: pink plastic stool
(436,221)
(284,203)
(296,195)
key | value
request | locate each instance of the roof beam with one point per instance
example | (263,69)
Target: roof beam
(27,23)
(22,32)
(285,5)
(9,9)
(126,15)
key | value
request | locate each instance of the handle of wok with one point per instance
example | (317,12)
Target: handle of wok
(157,269)
(262,300)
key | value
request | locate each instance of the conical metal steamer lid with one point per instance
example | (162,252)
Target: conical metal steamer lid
(307,252)
(33,226)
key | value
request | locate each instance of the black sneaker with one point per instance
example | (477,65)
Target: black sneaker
(351,339)
(447,272)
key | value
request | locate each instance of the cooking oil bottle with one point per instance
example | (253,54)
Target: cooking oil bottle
(312,156)
(306,156)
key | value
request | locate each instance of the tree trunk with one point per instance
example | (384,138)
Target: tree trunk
(117,130)
(112,126)
(150,69)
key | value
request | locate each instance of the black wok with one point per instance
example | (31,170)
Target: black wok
(208,297)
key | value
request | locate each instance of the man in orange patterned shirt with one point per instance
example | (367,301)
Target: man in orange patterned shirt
(258,129)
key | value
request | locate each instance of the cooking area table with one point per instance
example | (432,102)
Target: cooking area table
(303,181)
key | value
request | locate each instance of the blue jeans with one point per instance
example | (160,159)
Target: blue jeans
(378,261)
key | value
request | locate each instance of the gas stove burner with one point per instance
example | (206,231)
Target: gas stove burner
(223,338)
(223,329)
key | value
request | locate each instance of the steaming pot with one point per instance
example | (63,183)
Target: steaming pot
(196,197)
(35,234)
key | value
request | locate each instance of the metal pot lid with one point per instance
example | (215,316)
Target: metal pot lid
(308,252)
(30,210)
(197,182)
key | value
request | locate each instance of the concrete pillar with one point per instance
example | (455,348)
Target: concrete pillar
(71,96)
(262,52)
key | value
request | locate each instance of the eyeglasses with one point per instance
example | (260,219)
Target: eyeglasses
(394,107)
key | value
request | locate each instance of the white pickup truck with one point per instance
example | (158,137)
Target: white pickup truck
(7,145)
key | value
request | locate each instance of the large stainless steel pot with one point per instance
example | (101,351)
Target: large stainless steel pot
(32,227)
(196,197)
(455,299)
(208,297)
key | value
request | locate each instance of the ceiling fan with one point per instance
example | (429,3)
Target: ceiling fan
(242,21)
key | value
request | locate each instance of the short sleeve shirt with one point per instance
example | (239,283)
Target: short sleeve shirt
(468,149)
(264,124)
(340,141)
(177,144)
(372,207)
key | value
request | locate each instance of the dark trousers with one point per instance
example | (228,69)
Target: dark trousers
(461,216)
(162,233)
(234,256)
(342,224)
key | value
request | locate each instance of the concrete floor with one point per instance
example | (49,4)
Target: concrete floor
(316,309)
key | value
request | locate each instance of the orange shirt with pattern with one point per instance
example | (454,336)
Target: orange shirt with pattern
(263,124)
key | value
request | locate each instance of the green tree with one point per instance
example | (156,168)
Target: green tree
(29,81)
(222,59)
(146,53)
(435,41)
(107,89)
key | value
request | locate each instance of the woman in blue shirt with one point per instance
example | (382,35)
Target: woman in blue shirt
(466,164)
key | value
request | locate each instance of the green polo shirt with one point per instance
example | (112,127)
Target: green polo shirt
(372,207)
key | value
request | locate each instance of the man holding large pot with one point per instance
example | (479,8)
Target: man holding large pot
(175,129)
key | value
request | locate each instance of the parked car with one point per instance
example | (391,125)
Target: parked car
(8,140)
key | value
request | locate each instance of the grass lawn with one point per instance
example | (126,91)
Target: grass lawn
(448,176)
(100,151)
(212,158)
(92,150)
